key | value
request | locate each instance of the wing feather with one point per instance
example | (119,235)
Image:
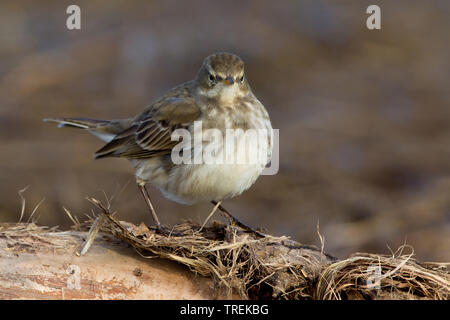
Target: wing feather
(150,134)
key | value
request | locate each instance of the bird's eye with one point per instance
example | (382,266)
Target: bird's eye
(241,79)
(211,78)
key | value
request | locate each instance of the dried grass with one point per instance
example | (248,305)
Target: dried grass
(257,268)
(279,268)
(253,267)
(371,276)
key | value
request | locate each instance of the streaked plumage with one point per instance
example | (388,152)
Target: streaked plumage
(220,97)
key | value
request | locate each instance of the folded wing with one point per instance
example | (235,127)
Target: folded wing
(150,134)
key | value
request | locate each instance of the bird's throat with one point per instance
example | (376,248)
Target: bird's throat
(223,94)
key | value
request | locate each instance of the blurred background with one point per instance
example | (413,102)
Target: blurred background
(364,116)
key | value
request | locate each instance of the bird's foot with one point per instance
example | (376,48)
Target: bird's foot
(166,231)
(235,222)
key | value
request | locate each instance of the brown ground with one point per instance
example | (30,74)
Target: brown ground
(364,116)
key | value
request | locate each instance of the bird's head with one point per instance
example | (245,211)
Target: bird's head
(222,76)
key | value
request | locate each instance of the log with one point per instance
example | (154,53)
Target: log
(219,261)
(40,263)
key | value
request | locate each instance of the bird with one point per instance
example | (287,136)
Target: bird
(219,98)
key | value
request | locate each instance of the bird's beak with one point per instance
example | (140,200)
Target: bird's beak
(228,80)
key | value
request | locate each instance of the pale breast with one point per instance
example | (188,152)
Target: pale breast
(191,184)
(217,177)
(222,177)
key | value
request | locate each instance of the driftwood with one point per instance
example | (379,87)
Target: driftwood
(190,262)
(40,263)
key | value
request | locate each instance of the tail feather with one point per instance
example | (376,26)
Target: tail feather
(106,130)
(83,123)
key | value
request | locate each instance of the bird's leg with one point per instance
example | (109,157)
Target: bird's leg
(149,204)
(236,221)
(162,230)
(210,215)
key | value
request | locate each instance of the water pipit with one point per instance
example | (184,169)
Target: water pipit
(220,100)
